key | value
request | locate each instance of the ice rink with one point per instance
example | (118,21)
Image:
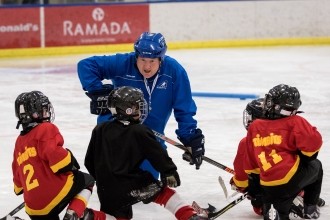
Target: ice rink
(230,70)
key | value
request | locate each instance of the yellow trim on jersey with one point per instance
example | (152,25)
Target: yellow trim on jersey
(242,184)
(65,190)
(287,177)
(309,154)
(17,189)
(67,160)
(255,171)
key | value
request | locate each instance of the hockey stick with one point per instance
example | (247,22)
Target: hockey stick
(219,165)
(223,186)
(14,211)
(182,147)
(211,215)
(214,215)
(230,197)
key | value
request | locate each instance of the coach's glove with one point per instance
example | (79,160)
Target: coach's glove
(171,179)
(195,147)
(99,100)
(237,188)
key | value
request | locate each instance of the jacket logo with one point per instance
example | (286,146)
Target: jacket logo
(163,85)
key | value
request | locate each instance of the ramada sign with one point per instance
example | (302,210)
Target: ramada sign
(72,25)
(96,25)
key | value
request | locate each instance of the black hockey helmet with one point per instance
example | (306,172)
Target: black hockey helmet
(282,101)
(253,110)
(128,104)
(32,108)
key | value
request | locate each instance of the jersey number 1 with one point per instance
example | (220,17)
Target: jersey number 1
(272,156)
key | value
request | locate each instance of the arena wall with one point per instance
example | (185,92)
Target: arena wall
(68,29)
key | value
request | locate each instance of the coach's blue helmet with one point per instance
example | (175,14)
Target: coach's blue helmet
(150,45)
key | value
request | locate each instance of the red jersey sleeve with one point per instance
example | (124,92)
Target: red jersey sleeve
(51,147)
(308,139)
(18,188)
(240,178)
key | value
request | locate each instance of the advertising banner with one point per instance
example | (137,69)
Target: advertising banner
(19,28)
(98,24)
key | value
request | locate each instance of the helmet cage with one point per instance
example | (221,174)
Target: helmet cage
(253,111)
(247,118)
(143,108)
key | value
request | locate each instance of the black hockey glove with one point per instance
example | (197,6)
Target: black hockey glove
(99,100)
(170,179)
(195,146)
(306,159)
(254,189)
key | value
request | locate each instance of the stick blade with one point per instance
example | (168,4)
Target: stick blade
(223,186)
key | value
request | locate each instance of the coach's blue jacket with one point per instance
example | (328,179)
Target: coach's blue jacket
(171,92)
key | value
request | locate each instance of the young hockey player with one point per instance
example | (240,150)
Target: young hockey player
(115,153)
(46,173)
(282,150)
(240,181)
(164,83)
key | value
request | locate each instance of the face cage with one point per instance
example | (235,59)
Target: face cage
(143,107)
(247,119)
(46,113)
(51,112)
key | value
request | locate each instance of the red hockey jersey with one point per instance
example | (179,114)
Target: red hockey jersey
(273,147)
(38,156)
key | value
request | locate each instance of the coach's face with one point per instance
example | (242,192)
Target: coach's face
(148,67)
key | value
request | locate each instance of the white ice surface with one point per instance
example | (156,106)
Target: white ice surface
(232,70)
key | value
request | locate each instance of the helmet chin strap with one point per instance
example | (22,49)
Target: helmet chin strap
(124,122)
(288,113)
(18,124)
(128,122)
